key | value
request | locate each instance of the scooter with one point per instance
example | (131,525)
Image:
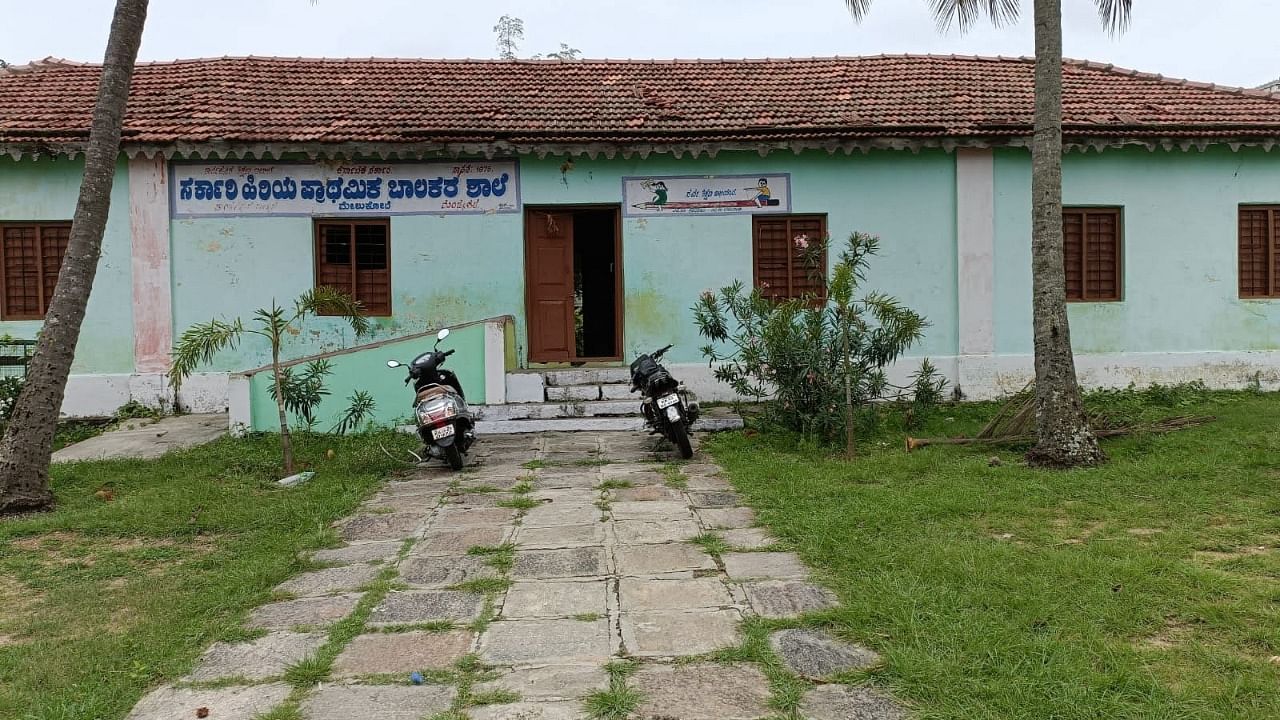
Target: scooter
(445,423)
(664,401)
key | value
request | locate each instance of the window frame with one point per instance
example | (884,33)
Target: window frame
(1085,210)
(318,257)
(39,225)
(756,219)
(1273,238)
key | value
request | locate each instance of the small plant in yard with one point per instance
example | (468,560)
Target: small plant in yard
(10,386)
(819,361)
(299,394)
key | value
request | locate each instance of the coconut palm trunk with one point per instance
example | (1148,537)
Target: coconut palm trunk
(27,445)
(1063,437)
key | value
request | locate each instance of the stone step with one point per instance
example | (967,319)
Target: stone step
(587,376)
(596,424)
(552,410)
(587,393)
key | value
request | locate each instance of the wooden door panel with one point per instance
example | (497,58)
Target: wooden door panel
(549,285)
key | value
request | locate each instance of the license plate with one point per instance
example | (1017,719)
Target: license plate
(443,431)
(673,413)
(668,401)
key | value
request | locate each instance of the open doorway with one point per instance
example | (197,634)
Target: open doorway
(573,280)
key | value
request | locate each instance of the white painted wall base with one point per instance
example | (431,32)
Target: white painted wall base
(102,395)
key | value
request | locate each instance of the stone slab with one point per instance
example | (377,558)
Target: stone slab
(661,559)
(530,711)
(552,682)
(402,653)
(747,538)
(315,611)
(552,513)
(448,541)
(384,702)
(788,598)
(545,598)
(421,606)
(455,517)
(651,510)
(532,642)
(329,580)
(679,633)
(644,493)
(417,486)
(561,536)
(706,482)
(231,703)
(643,594)
(266,657)
(645,532)
(815,655)
(713,499)
(423,504)
(563,479)
(359,553)
(702,691)
(479,499)
(764,566)
(726,518)
(389,526)
(446,570)
(570,562)
(145,440)
(841,702)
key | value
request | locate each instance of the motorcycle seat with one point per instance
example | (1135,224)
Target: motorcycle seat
(427,393)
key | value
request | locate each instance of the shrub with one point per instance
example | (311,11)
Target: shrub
(816,362)
(10,386)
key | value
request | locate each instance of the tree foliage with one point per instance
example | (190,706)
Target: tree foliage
(816,362)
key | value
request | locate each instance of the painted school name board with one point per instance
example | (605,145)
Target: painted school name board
(706,195)
(293,189)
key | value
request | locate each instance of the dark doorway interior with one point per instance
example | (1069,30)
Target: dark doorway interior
(595,268)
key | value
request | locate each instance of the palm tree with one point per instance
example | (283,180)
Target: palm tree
(1063,437)
(27,445)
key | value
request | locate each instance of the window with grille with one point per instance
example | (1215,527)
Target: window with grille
(1259,251)
(780,271)
(1091,253)
(30,258)
(355,257)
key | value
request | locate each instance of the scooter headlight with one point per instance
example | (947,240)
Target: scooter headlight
(435,410)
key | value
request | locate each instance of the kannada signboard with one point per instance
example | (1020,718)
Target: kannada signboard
(306,189)
(706,194)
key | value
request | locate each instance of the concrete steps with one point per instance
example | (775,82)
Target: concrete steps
(596,424)
(552,410)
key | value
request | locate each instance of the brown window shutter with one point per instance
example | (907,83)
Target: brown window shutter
(21,273)
(1256,243)
(779,271)
(373,269)
(1073,252)
(1102,255)
(53,246)
(355,258)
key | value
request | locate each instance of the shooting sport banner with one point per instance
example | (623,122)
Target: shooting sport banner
(343,189)
(653,196)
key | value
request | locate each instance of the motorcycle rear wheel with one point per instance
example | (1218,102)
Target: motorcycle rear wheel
(453,456)
(680,437)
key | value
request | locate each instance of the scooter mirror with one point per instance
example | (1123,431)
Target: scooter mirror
(393,364)
(444,333)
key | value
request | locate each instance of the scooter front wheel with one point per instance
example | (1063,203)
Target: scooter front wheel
(680,437)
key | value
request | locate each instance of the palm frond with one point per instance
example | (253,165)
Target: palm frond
(858,8)
(198,344)
(325,300)
(1115,14)
(963,14)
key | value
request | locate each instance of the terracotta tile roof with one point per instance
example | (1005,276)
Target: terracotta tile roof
(281,100)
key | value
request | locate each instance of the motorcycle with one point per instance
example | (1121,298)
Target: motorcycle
(445,423)
(664,401)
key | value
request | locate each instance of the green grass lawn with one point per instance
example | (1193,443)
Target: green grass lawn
(102,599)
(1148,588)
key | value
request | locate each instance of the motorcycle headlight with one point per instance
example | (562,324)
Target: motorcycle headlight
(436,409)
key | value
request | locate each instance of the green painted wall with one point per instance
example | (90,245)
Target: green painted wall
(448,270)
(366,369)
(46,190)
(1179,250)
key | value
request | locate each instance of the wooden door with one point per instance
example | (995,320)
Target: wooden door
(549,285)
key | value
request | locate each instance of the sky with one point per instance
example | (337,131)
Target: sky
(1230,42)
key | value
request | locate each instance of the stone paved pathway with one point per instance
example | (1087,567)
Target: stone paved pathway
(555,575)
